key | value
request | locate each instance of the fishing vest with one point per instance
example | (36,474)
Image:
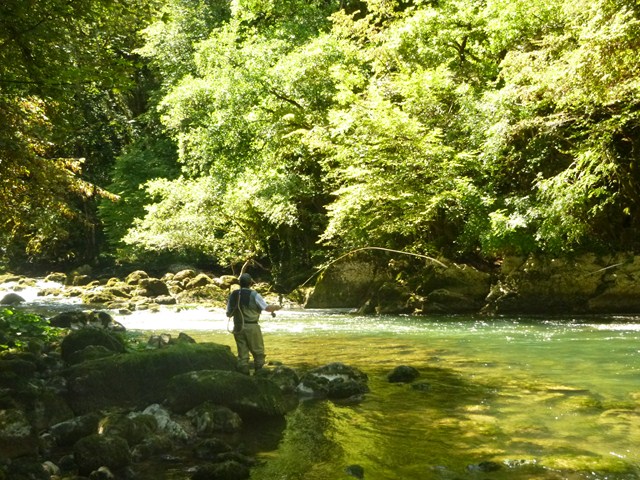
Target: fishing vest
(246,310)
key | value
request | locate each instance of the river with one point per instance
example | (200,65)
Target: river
(499,398)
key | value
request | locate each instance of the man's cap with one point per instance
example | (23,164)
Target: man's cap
(245,280)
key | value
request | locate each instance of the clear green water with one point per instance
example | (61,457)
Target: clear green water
(542,398)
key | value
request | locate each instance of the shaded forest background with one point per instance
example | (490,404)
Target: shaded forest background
(293,131)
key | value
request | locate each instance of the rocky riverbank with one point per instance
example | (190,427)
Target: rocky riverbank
(96,405)
(586,284)
(99,403)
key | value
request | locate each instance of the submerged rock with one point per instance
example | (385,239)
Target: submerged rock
(334,381)
(403,374)
(355,471)
(229,470)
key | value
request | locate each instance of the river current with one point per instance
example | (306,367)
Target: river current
(497,398)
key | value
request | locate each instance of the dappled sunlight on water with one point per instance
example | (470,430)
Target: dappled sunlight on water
(542,398)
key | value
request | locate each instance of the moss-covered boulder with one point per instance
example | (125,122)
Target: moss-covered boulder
(70,431)
(138,379)
(134,277)
(152,287)
(210,418)
(17,436)
(56,277)
(133,428)
(79,340)
(81,318)
(403,374)
(251,397)
(95,451)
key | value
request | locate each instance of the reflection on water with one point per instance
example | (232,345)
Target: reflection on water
(534,398)
(506,398)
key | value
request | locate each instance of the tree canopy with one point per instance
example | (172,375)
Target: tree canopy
(293,131)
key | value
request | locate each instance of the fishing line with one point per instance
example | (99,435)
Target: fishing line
(373,248)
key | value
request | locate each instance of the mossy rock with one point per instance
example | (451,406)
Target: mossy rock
(134,277)
(250,397)
(80,339)
(138,379)
(68,432)
(95,451)
(134,429)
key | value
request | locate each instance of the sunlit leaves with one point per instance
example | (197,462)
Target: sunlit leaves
(565,109)
(466,127)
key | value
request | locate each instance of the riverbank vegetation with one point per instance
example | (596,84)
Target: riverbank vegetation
(291,132)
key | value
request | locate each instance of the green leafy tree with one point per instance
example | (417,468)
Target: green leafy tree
(250,187)
(65,69)
(566,123)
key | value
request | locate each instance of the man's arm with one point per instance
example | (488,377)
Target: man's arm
(262,303)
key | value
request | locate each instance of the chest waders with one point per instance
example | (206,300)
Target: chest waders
(246,330)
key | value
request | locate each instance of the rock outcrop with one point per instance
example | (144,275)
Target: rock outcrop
(585,284)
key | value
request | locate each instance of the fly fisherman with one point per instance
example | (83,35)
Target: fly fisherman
(245,306)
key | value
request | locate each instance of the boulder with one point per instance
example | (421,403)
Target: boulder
(80,318)
(209,418)
(133,428)
(201,280)
(70,431)
(97,297)
(619,290)
(10,277)
(446,301)
(80,280)
(78,340)
(285,377)
(334,381)
(184,274)
(166,300)
(56,277)
(17,437)
(134,277)
(250,397)
(139,378)
(403,374)
(346,284)
(541,284)
(14,371)
(12,298)
(390,298)
(152,287)
(226,281)
(166,424)
(95,451)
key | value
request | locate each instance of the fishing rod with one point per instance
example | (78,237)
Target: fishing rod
(373,248)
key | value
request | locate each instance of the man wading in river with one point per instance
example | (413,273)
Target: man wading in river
(245,306)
